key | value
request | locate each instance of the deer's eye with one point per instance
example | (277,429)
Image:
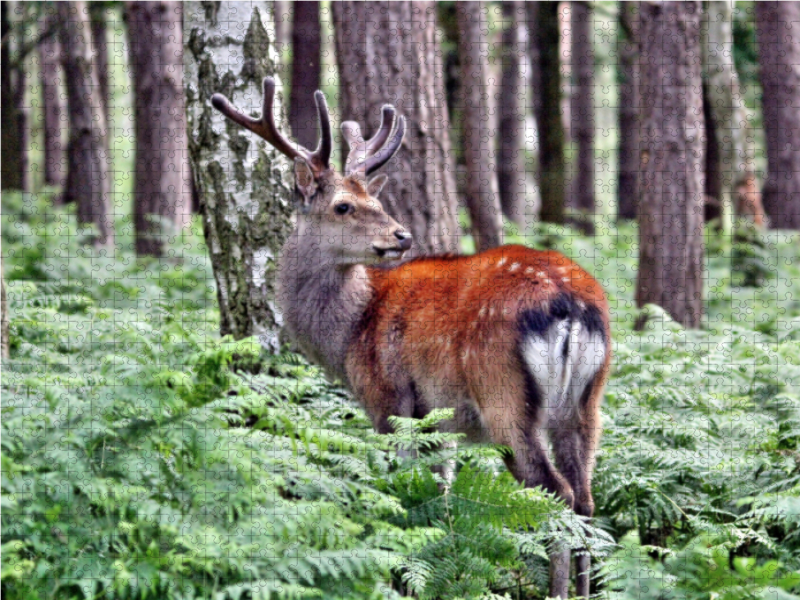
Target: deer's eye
(343,208)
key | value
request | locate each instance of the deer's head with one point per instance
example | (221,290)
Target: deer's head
(341,213)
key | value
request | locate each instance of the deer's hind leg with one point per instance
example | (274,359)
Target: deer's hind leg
(574,446)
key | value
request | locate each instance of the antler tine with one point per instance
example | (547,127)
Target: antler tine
(265,126)
(384,130)
(321,157)
(358,148)
(382,156)
(361,150)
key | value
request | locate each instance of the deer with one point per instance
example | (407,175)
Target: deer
(516,341)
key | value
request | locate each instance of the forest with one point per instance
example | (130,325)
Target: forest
(163,436)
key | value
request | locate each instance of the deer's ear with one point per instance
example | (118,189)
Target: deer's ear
(376,184)
(305,180)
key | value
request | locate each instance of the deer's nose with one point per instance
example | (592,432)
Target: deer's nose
(404,238)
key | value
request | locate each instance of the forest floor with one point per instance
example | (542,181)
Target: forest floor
(134,460)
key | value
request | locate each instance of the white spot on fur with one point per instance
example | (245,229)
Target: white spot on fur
(501,262)
(562,380)
(528,270)
(514,267)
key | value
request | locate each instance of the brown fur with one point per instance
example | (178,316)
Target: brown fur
(748,201)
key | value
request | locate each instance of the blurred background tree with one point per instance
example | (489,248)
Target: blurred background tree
(497,95)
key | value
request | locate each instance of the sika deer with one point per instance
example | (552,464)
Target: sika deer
(517,341)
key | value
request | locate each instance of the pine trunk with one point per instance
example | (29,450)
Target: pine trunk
(511,157)
(161,188)
(244,184)
(52,84)
(12,125)
(87,161)
(778,31)
(629,124)
(97,12)
(306,72)
(671,211)
(552,176)
(481,191)
(714,185)
(402,65)
(583,114)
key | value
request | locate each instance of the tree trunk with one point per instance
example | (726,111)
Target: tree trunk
(511,157)
(22,123)
(671,211)
(732,119)
(97,12)
(778,31)
(282,16)
(565,61)
(87,162)
(481,192)
(51,82)
(401,65)
(12,125)
(714,169)
(629,124)
(583,114)
(306,72)
(245,185)
(161,188)
(548,117)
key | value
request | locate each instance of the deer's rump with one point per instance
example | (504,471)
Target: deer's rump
(496,336)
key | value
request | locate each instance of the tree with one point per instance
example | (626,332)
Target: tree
(13,126)
(161,189)
(713,163)
(629,124)
(482,197)
(306,72)
(778,32)
(510,155)
(731,118)
(87,162)
(583,198)
(671,210)
(401,65)
(244,185)
(548,116)
(97,15)
(51,84)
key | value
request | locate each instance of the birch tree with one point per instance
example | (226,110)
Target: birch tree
(243,184)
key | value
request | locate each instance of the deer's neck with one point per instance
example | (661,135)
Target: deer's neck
(322,304)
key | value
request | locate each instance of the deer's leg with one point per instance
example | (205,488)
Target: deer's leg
(574,446)
(511,425)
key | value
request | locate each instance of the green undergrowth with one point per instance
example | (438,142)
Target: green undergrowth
(137,464)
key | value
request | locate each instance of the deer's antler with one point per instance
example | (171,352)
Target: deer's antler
(367,156)
(264,127)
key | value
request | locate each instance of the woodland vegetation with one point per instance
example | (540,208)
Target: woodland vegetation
(160,441)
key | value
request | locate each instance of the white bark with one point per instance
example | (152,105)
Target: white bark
(243,183)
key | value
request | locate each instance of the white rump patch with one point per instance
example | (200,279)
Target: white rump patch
(562,379)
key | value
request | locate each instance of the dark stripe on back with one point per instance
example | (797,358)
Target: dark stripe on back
(564,306)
